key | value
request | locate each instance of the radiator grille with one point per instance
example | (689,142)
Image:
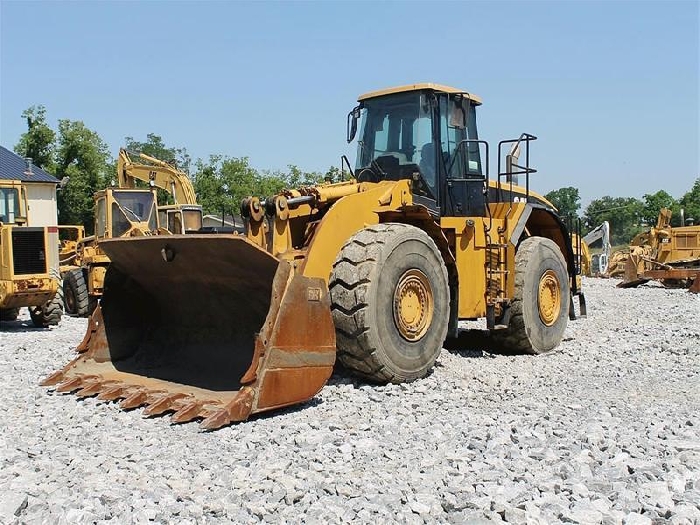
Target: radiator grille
(28,252)
(687,240)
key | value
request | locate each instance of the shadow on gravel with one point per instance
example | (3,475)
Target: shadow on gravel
(476,343)
(19,326)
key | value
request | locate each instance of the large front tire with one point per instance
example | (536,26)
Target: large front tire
(539,310)
(390,303)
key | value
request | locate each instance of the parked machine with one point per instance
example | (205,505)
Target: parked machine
(597,263)
(26,255)
(665,253)
(127,212)
(376,271)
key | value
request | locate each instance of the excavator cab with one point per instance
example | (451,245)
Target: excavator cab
(427,136)
(179,218)
(122,213)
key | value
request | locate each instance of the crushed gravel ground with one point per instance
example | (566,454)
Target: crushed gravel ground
(605,430)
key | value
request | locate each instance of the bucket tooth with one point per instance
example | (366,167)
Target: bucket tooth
(112,393)
(134,399)
(53,379)
(187,413)
(70,385)
(216,420)
(162,404)
(92,388)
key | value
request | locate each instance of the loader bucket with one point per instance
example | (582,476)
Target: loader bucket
(205,326)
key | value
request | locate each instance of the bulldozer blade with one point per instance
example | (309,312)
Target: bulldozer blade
(209,327)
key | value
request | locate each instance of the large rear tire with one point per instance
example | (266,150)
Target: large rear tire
(539,310)
(390,303)
(49,314)
(75,293)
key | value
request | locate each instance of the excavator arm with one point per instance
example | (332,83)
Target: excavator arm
(156,173)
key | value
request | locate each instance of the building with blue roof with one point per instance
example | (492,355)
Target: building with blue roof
(40,187)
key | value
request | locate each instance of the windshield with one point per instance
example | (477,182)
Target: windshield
(396,141)
(9,205)
(132,207)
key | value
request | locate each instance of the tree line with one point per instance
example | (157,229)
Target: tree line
(627,216)
(221,182)
(75,151)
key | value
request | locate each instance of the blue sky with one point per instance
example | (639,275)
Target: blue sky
(610,88)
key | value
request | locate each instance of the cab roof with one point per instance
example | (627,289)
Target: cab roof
(420,87)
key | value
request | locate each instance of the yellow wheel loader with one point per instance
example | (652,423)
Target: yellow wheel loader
(376,271)
(127,211)
(26,256)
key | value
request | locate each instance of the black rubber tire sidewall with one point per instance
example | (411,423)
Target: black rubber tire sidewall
(9,314)
(409,360)
(74,284)
(544,256)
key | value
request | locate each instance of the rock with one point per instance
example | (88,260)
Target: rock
(12,504)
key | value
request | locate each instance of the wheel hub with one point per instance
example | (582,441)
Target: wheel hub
(549,298)
(413,305)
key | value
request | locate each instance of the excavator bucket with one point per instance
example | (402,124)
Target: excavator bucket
(203,326)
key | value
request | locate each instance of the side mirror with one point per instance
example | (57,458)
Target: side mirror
(352,123)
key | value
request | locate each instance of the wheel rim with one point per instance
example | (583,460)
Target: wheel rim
(413,305)
(549,298)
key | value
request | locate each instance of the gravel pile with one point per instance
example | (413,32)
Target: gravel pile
(607,430)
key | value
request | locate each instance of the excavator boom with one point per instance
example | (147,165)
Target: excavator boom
(157,172)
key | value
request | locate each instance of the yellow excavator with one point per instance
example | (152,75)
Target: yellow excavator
(185,215)
(126,211)
(376,271)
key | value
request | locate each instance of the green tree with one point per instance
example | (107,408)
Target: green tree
(566,200)
(222,182)
(690,202)
(623,213)
(654,202)
(39,141)
(84,157)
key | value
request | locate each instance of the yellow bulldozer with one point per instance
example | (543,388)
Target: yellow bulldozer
(668,254)
(126,211)
(26,257)
(375,271)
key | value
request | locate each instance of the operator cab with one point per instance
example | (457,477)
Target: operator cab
(119,211)
(425,133)
(12,208)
